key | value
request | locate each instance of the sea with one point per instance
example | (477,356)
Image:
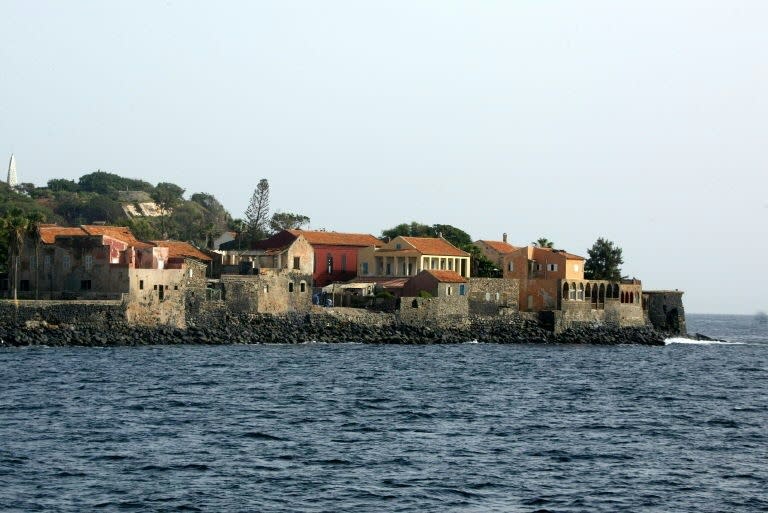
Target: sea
(376,428)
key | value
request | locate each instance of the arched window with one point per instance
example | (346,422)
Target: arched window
(580,292)
(572,292)
(565,291)
(616,290)
(588,291)
(601,293)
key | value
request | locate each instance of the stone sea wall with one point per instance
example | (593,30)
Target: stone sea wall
(51,327)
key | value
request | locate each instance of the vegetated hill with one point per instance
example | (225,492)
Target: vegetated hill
(151,211)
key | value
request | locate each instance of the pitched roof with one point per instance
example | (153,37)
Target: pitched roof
(434,246)
(337,238)
(499,246)
(446,276)
(179,249)
(49,232)
(277,241)
(569,256)
(121,233)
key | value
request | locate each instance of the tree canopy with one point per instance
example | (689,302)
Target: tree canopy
(287,221)
(543,242)
(604,261)
(257,213)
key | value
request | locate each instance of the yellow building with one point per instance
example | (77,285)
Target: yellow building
(407,256)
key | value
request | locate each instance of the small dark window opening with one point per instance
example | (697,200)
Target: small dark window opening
(290,287)
(155,287)
(296,262)
(85,285)
(161,293)
(175,287)
(343,262)
(303,287)
(141,284)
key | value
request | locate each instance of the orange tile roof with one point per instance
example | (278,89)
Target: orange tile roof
(179,249)
(446,276)
(121,233)
(337,238)
(49,232)
(435,246)
(499,246)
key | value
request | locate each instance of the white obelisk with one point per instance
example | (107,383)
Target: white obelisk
(13,180)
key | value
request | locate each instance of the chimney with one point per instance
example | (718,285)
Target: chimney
(504,237)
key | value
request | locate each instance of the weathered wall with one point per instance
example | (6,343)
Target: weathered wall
(452,310)
(156,297)
(665,311)
(493,296)
(272,292)
(100,314)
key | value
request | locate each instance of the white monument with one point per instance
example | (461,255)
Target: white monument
(13,180)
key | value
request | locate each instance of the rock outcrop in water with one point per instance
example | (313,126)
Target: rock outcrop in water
(321,328)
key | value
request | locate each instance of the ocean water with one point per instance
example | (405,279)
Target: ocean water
(371,428)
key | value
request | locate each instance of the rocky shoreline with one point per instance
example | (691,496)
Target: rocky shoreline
(296,329)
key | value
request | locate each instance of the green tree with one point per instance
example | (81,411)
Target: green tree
(61,184)
(413,229)
(287,221)
(167,196)
(543,242)
(102,182)
(257,213)
(15,225)
(604,261)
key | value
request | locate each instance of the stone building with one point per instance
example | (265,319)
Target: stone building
(272,291)
(436,284)
(494,296)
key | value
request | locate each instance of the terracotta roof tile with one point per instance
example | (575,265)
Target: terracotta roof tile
(446,276)
(49,232)
(499,246)
(116,232)
(435,246)
(180,249)
(338,238)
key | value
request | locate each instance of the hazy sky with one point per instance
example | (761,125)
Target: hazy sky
(644,122)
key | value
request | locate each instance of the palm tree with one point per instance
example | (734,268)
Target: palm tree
(543,242)
(15,226)
(35,219)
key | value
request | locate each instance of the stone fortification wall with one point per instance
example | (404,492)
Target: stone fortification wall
(576,314)
(99,314)
(665,311)
(445,311)
(494,296)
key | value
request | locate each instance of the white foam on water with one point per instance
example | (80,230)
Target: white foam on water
(681,340)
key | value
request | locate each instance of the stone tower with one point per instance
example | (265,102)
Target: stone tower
(13,180)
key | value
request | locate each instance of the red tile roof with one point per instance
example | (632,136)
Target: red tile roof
(499,246)
(179,249)
(446,276)
(337,238)
(435,246)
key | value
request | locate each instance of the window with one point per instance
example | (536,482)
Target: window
(65,262)
(290,287)
(365,267)
(175,287)
(551,267)
(343,262)
(88,262)
(389,269)
(450,290)
(461,290)
(141,284)
(575,268)
(266,288)
(398,246)
(511,266)
(190,272)
(85,284)
(297,262)
(329,263)
(487,296)
(302,286)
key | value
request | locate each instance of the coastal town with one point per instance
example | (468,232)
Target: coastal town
(418,280)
